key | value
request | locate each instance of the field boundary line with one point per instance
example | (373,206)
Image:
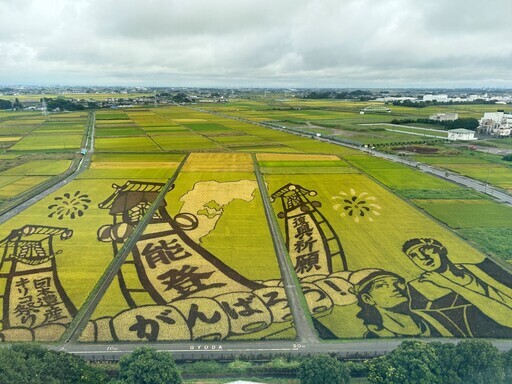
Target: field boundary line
(302,319)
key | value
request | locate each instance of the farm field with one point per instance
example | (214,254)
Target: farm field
(465,211)
(184,270)
(52,257)
(344,232)
(418,131)
(22,178)
(486,168)
(62,132)
(205,267)
(35,148)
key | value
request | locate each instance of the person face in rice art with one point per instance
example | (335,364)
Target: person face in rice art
(483,288)
(384,302)
(428,254)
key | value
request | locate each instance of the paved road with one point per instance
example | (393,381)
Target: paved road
(202,350)
(303,326)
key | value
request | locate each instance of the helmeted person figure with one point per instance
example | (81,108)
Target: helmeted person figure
(384,302)
(470,300)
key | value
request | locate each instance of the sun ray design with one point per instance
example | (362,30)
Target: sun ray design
(357,206)
(69,205)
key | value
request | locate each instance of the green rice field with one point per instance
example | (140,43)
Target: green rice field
(378,249)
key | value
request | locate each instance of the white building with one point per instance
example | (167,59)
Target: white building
(444,116)
(461,134)
(438,98)
(496,124)
(387,99)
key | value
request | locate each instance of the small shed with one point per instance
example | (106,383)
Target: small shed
(461,134)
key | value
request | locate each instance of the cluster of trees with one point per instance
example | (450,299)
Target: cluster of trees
(468,362)
(416,362)
(63,104)
(411,104)
(466,123)
(33,364)
(413,362)
(357,94)
(7,104)
(423,104)
(181,97)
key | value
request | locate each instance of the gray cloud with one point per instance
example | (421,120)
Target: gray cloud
(361,43)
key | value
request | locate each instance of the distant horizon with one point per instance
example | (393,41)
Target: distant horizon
(254,87)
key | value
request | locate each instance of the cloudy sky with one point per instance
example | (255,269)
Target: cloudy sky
(263,43)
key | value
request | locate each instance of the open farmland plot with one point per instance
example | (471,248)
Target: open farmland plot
(59,128)
(108,115)
(204,267)
(118,124)
(124,144)
(397,176)
(49,142)
(39,168)
(119,131)
(19,126)
(481,222)
(208,128)
(185,142)
(61,132)
(12,186)
(52,258)
(367,271)
(479,169)
(294,164)
(147,119)
(22,178)
(467,212)
(454,213)
(134,166)
(240,140)
(7,141)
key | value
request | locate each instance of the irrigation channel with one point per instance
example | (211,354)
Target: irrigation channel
(307,343)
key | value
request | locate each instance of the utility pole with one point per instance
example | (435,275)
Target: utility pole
(44,107)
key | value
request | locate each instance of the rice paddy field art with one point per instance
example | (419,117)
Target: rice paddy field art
(375,246)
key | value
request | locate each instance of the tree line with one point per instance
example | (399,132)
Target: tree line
(423,104)
(357,94)
(466,123)
(413,362)
(8,104)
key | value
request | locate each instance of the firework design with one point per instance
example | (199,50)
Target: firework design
(357,205)
(69,206)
